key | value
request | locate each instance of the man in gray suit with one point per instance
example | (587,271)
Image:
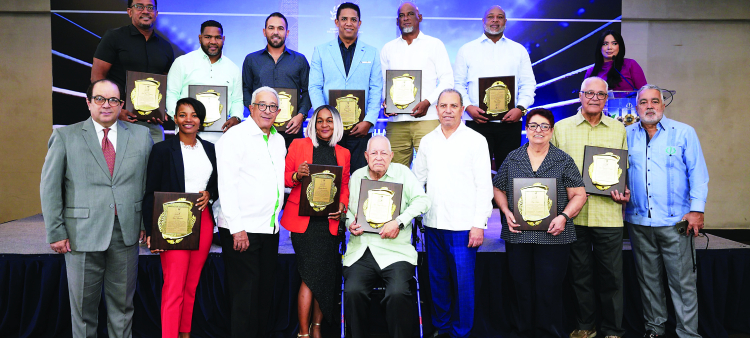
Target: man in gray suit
(93,182)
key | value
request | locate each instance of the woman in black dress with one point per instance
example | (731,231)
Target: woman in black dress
(315,239)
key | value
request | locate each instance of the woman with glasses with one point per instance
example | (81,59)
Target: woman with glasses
(611,65)
(538,260)
(315,239)
(184,163)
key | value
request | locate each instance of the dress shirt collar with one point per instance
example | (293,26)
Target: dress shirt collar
(388,173)
(461,128)
(420,36)
(100,129)
(661,125)
(580,119)
(286,51)
(484,38)
(253,128)
(204,56)
(351,47)
(135,31)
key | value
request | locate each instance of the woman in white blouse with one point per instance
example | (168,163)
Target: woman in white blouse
(184,163)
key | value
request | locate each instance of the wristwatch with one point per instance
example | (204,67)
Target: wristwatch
(239,119)
(567,218)
(401,226)
(522,108)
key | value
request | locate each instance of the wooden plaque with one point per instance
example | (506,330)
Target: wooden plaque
(607,156)
(146,95)
(485,84)
(160,239)
(352,110)
(288,97)
(364,195)
(544,189)
(408,87)
(323,176)
(216,101)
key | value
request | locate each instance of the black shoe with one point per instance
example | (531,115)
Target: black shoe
(650,334)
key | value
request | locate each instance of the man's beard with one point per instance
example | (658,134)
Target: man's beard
(205,50)
(275,45)
(407,30)
(489,30)
(146,26)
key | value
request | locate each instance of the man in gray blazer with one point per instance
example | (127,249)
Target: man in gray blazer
(93,182)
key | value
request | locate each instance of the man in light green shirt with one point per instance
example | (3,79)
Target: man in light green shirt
(599,224)
(387,256)
(207,66)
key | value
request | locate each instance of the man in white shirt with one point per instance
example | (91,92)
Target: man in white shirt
(493,54)
(207,66)
(250,160)
(414,50)
(453,162)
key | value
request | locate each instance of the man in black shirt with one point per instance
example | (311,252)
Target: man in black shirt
(278,67)
(135,47)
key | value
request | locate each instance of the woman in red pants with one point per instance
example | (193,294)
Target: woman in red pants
(184,163)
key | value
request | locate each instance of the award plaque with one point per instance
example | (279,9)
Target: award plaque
(350,104)
(145,95)
(498,96)
(604,170)
(534,202)
(404,90)
(288,105)
(177,221)
(216,101)
(321,191)
(379,203)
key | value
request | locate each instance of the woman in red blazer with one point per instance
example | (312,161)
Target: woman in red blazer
(315,239)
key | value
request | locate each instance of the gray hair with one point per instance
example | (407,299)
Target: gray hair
(338,126)
(649,87)
(451,90)
(593,78)
(378,137)
(265,89)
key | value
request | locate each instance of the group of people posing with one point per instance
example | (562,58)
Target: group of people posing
(100,175)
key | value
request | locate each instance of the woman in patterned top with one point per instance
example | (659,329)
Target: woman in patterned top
(537,259)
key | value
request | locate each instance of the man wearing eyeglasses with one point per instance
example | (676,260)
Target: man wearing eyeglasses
(93,181)
(135,47)
(209,67)
(250,160)
(599,224)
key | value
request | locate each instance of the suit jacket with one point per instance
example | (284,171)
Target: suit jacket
(301,150)
(327,72)
(166,172)
(79,195)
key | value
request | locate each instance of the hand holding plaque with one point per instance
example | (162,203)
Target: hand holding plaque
(404,91)
(320,192)
(498,95)
(379,203)
(144,95)
(535,202)
(176,221)
(603,169)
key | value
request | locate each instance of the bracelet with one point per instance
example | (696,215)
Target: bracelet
(294,176)
(567,218)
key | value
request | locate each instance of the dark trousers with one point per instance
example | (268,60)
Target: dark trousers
(250,281)
(288,138)
(502,138)
(538,271)
(357,147)
(361,278)
(598,251)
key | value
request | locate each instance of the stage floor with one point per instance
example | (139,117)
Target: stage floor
(27,237)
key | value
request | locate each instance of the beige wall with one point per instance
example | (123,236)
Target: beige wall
(700,49)
(26,107)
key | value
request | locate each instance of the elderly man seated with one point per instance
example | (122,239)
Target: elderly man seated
(387,256)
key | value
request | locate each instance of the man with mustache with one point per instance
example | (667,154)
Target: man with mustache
(493,54)
(278,67)
(207,66)
(668,180)
(415,50)
(599,224)
(135,47)
(348,63)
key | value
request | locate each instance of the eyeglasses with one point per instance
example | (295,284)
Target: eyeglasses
(141,7)
(590,94)
(113,101)
(269,107)
(533,126)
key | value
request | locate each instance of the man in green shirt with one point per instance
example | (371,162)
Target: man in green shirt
(599,224)
(387,256)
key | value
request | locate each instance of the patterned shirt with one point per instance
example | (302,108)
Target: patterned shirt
(571,136)
(557,164)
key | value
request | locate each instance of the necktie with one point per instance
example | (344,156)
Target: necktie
(109,152)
